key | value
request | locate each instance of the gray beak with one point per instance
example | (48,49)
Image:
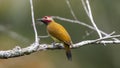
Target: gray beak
(39,21)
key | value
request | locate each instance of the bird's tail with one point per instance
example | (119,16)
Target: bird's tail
(68,52)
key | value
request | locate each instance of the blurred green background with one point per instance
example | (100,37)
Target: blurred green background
(16,29)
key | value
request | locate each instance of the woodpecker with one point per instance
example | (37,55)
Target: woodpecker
(58,33)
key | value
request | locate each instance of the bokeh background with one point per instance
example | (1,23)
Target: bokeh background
(16,29)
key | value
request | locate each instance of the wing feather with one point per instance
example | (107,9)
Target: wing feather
(59,32)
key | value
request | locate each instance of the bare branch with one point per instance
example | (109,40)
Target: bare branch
(84,5)
(99,41)
(33,22)
(18,51)
(89,13)
(46,36)
(72,12)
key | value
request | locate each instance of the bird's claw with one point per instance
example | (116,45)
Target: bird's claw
(57,45)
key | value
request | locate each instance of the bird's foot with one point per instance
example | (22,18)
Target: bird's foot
(54,43)
(57,45)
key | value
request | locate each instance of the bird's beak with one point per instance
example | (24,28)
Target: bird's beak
(39,20)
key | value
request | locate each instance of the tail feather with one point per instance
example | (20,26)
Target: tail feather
(68,52)
(69,55)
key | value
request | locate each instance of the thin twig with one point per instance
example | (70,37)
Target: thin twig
(102,40)
(72,12)
(89,13)
(33,22)
(84,5)
(46,36)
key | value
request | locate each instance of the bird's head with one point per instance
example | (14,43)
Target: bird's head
(46,19)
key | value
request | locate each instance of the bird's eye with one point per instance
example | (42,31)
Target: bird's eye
(45,17)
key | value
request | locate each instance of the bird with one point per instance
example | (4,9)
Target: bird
(58,33)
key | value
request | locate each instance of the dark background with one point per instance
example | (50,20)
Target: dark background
(16,29)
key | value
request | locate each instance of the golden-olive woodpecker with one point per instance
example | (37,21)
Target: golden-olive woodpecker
(58,33)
